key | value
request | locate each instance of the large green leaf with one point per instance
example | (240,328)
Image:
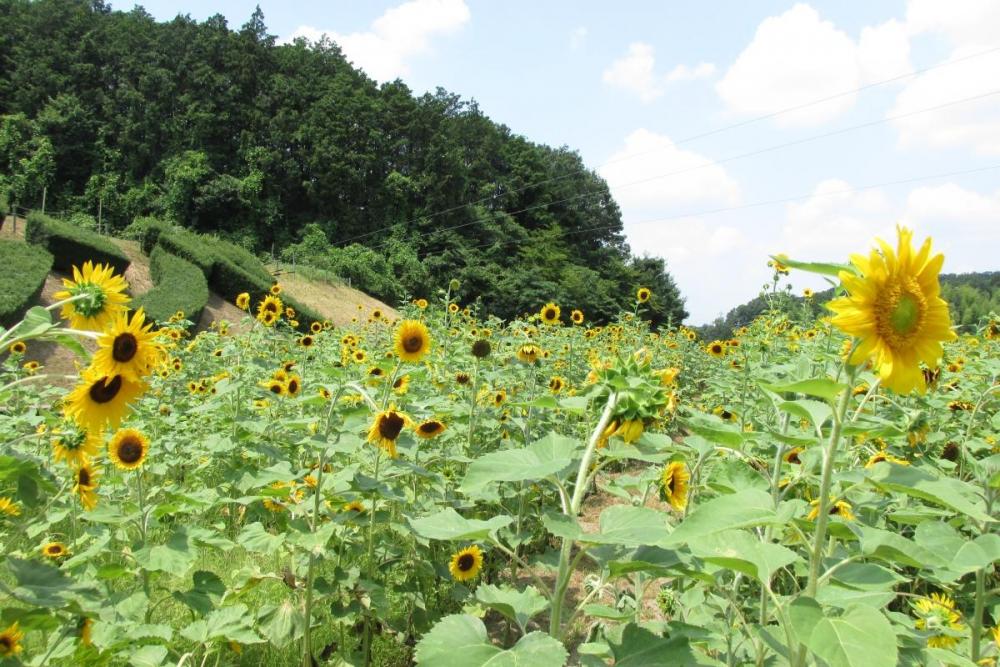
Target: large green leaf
(460,640)
(893,548)
(281,624)
(255,538)
(715,430)
(232,623)
(641,648)
(548,456)
(815,412)
(450,525)
(920,483)
(175,556)
(751,507)
(861,637)
(630,526)
(38,583)
(960,554)
(819,387)
(518,606)
(739,550)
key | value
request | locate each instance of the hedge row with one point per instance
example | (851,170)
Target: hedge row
(180,286)
(22,278)
(72,246)
(147,231)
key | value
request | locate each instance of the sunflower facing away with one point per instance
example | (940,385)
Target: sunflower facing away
(85,485)
(430,428)
(104,296)
(386,428)
(100,400)
(128,449)
(674,485)
(895,309)
(128,347)
(10,641)
(529,353)
(466,564)
(550,314)
(413,341)
(938,617)
(54,550)
(75,446)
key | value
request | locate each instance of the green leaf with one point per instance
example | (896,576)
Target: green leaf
(814,411)
(919,483)
(641,648)
(226,624)
(861,637)
(866,577)
(450,525)
(548,456)
(822,268)
(175,557)
(460,640)
(751,507)
(739,550)
(148,656)
(660,562)
(630,526)
(893,548)
(206,592)
(38,583)
(254,538)
(282,624)
(518,606)
(714,430)
(819,387)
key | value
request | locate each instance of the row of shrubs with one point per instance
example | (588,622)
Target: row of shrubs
(228,268)
(179,287)
(72,245)
(22,278)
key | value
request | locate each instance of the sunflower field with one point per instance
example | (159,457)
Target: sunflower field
(448,489)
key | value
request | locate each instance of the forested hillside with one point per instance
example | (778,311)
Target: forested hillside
(271,145)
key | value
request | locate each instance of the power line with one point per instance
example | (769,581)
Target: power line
(679,142)
(712,163)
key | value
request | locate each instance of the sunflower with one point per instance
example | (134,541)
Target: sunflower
(103,296)
(293,385)
(466,564)
(353,506)
(807,293)
(243,301)
(716,349)
(529,353)
(54,550)
(792,456)
(275,289)
(674,485)
(385,429)
(267,318)
(413,341)
(462,378)
(85,485)
(316,327)
(481,348)
(576,316)
(128,449)
(642,294)
(895,309)
(430,428)
(556,384)
(84,627)
(885,456)
(129,348)
(76,446)
(401,384)
(270,304)
(10,640)
(499,397)
(17,347)
(100,400)
(307,340)
(630,429)
(360,356)
(452,308)
(937,616)
(421,303)
(550,313)
(840,508)
(9,507)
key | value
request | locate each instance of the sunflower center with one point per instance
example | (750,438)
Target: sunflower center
(104,390)
(130,450)
(390,425)
(670,485)
(83,477)
(92,301)
(275,387)
(429,427)
(293,386)
(413,343)
(550,314)
(124,348)
(905,315)
(466,562)
(900,314)
(7,644)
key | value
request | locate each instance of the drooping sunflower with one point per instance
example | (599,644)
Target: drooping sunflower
(883,455)
(630,429)
(481,348)
(386,428)
(550,314)
(430,428)
(895,309)
(100,400)
(466,563)
(840,508)
(353,506)
(674,485)
(499,397)
(529,353)
(10,640)
(54,550)
(103,296)
(412,340)
(243,301)
(129,347)
(75,446)
(556,384)
(938,617)
(9,507)
(716,349)
(85,480)
(642,294)
(128,448)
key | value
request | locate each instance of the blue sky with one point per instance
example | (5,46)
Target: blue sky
(630,84)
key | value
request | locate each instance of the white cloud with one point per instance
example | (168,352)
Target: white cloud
(685,73)
(798,57)
(972,26)
(634,72)
(400,33)
(692,177)
(578,38)
(829,225)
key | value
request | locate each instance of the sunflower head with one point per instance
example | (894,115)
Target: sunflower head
(75,446)
(466,563)
(85,479)
(10,640)
(128,448)
(674,485)
(529,353)
(894,309)
(421,303)
(243,301)
(99,294)
(550,313)
(430,428)
(556,384)
(101,400)
(17,348)
(54,550)
(642,294)
(413,340)
(716,348)
(386,429)
(129,347)
(481,348)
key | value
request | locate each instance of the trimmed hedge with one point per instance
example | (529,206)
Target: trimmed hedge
(24,270)
(180,286)
(148,231)
(72,246)
(193,247)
